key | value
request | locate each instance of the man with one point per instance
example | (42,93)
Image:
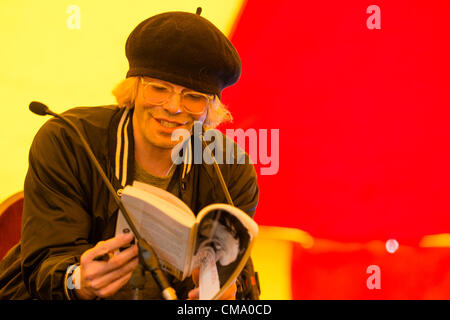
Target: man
(179,64)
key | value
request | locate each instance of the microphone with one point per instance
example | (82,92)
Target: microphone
(147,256)
(39,108)
(223,185)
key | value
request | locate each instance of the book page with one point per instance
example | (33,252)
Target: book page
(163,225)
(230,233)
(163,194)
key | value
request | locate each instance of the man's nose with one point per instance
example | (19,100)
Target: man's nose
(173,105)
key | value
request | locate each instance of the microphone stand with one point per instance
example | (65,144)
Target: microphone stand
(137,281)
(147,256)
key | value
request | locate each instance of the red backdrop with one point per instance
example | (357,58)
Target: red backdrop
(363,115)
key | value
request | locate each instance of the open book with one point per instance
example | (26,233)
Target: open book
(218,241)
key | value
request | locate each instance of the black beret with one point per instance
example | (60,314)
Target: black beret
(185,49)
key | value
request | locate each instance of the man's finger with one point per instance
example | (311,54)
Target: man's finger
(121,259)
(112,288)
(107,278)
(195,276)
(194,294)
(230,293)
(104,247)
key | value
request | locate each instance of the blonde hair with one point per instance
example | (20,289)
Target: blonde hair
(126,92)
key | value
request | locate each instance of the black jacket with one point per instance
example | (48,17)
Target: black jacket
(68,209)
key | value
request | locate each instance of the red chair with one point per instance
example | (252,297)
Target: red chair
(10,222)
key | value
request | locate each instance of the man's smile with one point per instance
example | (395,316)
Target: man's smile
(169,123)
(164,125)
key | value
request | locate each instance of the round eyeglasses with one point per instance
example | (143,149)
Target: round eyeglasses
(158,93)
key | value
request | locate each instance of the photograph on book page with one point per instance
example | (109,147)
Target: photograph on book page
(222,241)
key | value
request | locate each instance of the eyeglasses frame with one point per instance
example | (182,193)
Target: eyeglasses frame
(208,97)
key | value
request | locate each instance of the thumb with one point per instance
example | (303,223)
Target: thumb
(195,275)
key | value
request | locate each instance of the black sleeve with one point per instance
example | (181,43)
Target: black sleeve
(55,223)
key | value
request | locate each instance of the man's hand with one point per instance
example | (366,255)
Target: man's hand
(104,278)
(229,294)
